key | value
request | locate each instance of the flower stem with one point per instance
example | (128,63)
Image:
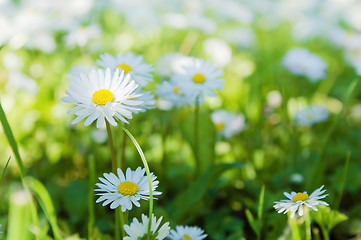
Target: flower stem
(140,151)
(111,146)
(118,227)
(91,208)
(196,136)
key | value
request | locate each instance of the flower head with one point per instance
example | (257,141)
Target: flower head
(139,230)
(129,63)
(101,96)
(300,61)
(311,115)
(187,233)
(125,190)
(227,124)
(296,201)
(199,77)
(173,93)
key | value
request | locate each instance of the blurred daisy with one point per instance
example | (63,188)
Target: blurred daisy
(228,124)
(311,115)
(102,96)
(81,35)
(300,61)
(139,230)
(172,93)
(129,63)
(171,63)
(187,233)
(199,77)
(125,190)
(296,201)
(148,101)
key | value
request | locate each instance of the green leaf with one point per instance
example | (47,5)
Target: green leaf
(254,223)
(327,218)
(196,190)
(45,202)
(3,172)
(11,140)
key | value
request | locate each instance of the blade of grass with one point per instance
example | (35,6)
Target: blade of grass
(3,172)
(46,204)
(11,140)
(342,182)
(91,201)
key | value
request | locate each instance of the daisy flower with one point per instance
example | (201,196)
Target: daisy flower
(311,115)
(148,101)
(101,95)
(187,233)
(296,201)
(139,230)
(199,77)
(129,63)
(300,61)
(125,190)
(228,124)
(172,93)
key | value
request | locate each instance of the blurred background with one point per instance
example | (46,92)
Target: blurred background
(43,41)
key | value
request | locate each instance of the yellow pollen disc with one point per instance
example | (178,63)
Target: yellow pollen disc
(219,126)
(128,188)
(176,89)
(300,197)
(186,236)
(126,68)
(102,96)
(131,98)
(199,78)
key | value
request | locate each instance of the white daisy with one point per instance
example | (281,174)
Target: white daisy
(125,190)
(148,101)
(81,35)
(228,124)
(139,230)
(129,63)
(101,95)
(311,115)
(187,233)
(199,77)
(296,201)
(172,93)
(300,61)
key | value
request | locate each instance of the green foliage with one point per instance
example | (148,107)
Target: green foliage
(46,204)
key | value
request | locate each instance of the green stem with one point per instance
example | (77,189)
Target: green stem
(307,223)
(140,151)
(111,146)
(196,136)
(118,228)
(325,233)
(122,159)
(91,201)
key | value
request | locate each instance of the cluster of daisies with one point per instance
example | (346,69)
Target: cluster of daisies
(116,90)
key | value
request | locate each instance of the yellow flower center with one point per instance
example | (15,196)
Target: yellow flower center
(186,236)
(126,68)
(176,89)
(300,197)
(199,78)
(219,126)
(128,188)
(102,96)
